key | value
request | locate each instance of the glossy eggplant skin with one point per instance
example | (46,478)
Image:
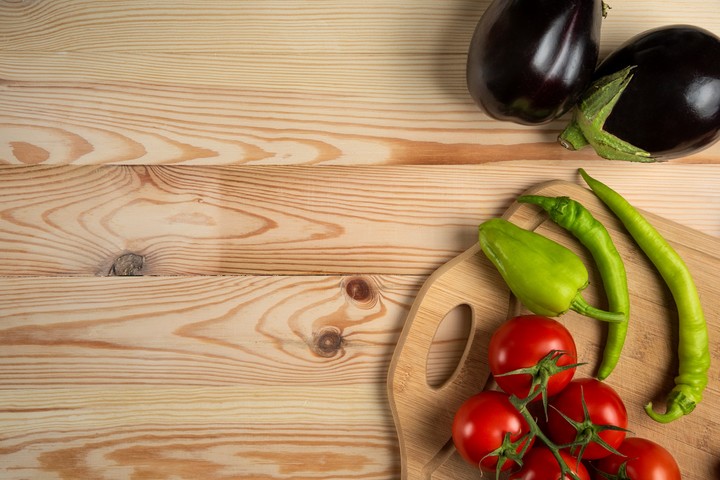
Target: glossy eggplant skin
(530,60)
(671,107)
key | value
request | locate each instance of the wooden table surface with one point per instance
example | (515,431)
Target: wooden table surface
(215,215)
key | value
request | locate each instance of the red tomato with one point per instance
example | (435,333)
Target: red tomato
(540,464)
(522,342)
(480,426)
(646,460)
(605,407)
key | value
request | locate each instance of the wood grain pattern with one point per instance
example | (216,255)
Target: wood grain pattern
(281,26)
(200,331)
(238,220)
(423,415)
(190,432)
(278,177)
(261,82)
(133,124)
(200,377)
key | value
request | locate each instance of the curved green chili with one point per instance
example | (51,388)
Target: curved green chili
(693,345)
(576,219)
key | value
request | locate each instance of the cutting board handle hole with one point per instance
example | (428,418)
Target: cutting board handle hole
(449,346)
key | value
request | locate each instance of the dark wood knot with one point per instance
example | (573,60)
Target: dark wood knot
(361,292)
(328,342)
(127,265)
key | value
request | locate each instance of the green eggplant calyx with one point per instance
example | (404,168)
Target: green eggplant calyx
(589,120)
(605,8)
(573,137)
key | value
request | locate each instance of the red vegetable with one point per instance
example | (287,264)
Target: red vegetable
(643,460)
(605,422)
(521,343)
(540,464)
(480,428)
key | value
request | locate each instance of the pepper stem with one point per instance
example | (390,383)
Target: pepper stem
(547,203)
(582,307)
(673,413)
(678,404)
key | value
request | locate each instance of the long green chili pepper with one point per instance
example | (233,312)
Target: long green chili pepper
(693,345)
(576,219)
(545,276)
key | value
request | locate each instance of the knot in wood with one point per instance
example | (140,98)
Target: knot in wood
(127,265)
(360,292)
(328,342)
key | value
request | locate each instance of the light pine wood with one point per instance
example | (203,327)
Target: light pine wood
(283,176)
(201,377)
(104,376)
(288,26)
(423,414)
(258,82)
(282,432)
(263,220)
(200,331)
(138,124)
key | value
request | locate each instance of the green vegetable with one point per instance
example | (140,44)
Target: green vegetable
(576,219)
(590,116)
(545,276)
(693,345)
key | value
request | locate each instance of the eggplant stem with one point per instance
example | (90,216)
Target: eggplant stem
(572,137)
(592,112)
(605,8)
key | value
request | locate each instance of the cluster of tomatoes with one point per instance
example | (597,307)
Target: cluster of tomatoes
(542,424)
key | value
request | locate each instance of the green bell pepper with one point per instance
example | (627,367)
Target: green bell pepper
(545,276)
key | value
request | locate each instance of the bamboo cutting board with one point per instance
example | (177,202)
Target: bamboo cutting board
(423,414)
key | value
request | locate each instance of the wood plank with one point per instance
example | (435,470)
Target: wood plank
(200,331)
(96,123)
(201,377)
(269,432)
(281,26)
(306,112)
(385,77)
(249,26)
(90,83)
(239,220)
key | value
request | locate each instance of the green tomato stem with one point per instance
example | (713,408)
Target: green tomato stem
(521,406)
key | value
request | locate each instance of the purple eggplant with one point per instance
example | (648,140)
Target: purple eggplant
(655,98)
(529,61)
